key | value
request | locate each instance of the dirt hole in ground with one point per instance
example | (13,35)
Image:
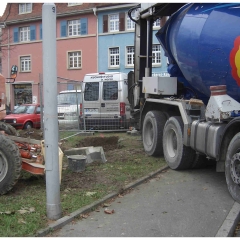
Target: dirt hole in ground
(107,143)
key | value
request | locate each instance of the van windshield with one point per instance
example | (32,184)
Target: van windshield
(69,98)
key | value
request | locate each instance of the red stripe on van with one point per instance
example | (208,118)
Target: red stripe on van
(80,109)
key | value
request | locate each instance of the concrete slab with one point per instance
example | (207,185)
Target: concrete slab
(92,153)
(95,154)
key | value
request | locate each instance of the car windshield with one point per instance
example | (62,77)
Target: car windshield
(69,98)
(24,109)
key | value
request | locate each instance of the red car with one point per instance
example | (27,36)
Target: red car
(25,116)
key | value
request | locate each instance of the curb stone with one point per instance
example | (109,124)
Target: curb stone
(67,219)
(229,225)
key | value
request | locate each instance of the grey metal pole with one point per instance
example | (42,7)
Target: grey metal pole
(41,98)
(50,111)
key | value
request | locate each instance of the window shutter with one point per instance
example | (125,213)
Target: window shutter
(40,31)
(32,33)
(63,28)
(15,34)
(84,26)
(122,21)
(105,23)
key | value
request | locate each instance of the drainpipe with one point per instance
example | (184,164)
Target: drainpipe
(95,13)
(8,72)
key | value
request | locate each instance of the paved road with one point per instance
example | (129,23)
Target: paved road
(193,203)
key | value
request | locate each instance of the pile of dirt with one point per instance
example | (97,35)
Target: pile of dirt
(107,143)
(32,133)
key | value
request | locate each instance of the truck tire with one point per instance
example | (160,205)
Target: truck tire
(152,133)
(10,164)
(232,167)
(200,161)
(8,129)
(177,156)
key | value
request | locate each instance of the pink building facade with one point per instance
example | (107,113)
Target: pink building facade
(76,43)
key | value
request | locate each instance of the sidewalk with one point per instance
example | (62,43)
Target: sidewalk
(193,203)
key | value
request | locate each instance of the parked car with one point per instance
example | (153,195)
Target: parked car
(25,116)
(69,104)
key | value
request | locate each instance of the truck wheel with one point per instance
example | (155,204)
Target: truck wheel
(152,133)
(200,161)
(176,154)
(8,129)
(10,164)
(232,167)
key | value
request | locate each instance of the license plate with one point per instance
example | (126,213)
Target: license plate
(91,110)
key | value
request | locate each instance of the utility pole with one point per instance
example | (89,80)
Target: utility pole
(54,211)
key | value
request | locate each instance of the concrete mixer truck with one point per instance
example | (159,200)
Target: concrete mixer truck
(193,115)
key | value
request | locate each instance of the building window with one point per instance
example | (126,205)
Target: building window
(114,23)
(25,63)
(74,28)
(25,8)
(156,23)
(24,34)
(114,57)
(74,60)
(130,23)
(130,56)
(156,54)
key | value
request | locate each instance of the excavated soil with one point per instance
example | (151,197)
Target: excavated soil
(33,134)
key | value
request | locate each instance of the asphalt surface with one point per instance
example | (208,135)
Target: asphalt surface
(192,203)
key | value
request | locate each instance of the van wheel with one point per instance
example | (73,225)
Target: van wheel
(176,154)
(152,133)
(232,167)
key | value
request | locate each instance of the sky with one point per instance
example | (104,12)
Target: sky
(3,4)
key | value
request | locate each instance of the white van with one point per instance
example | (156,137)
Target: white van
(105,103)
(69,104)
